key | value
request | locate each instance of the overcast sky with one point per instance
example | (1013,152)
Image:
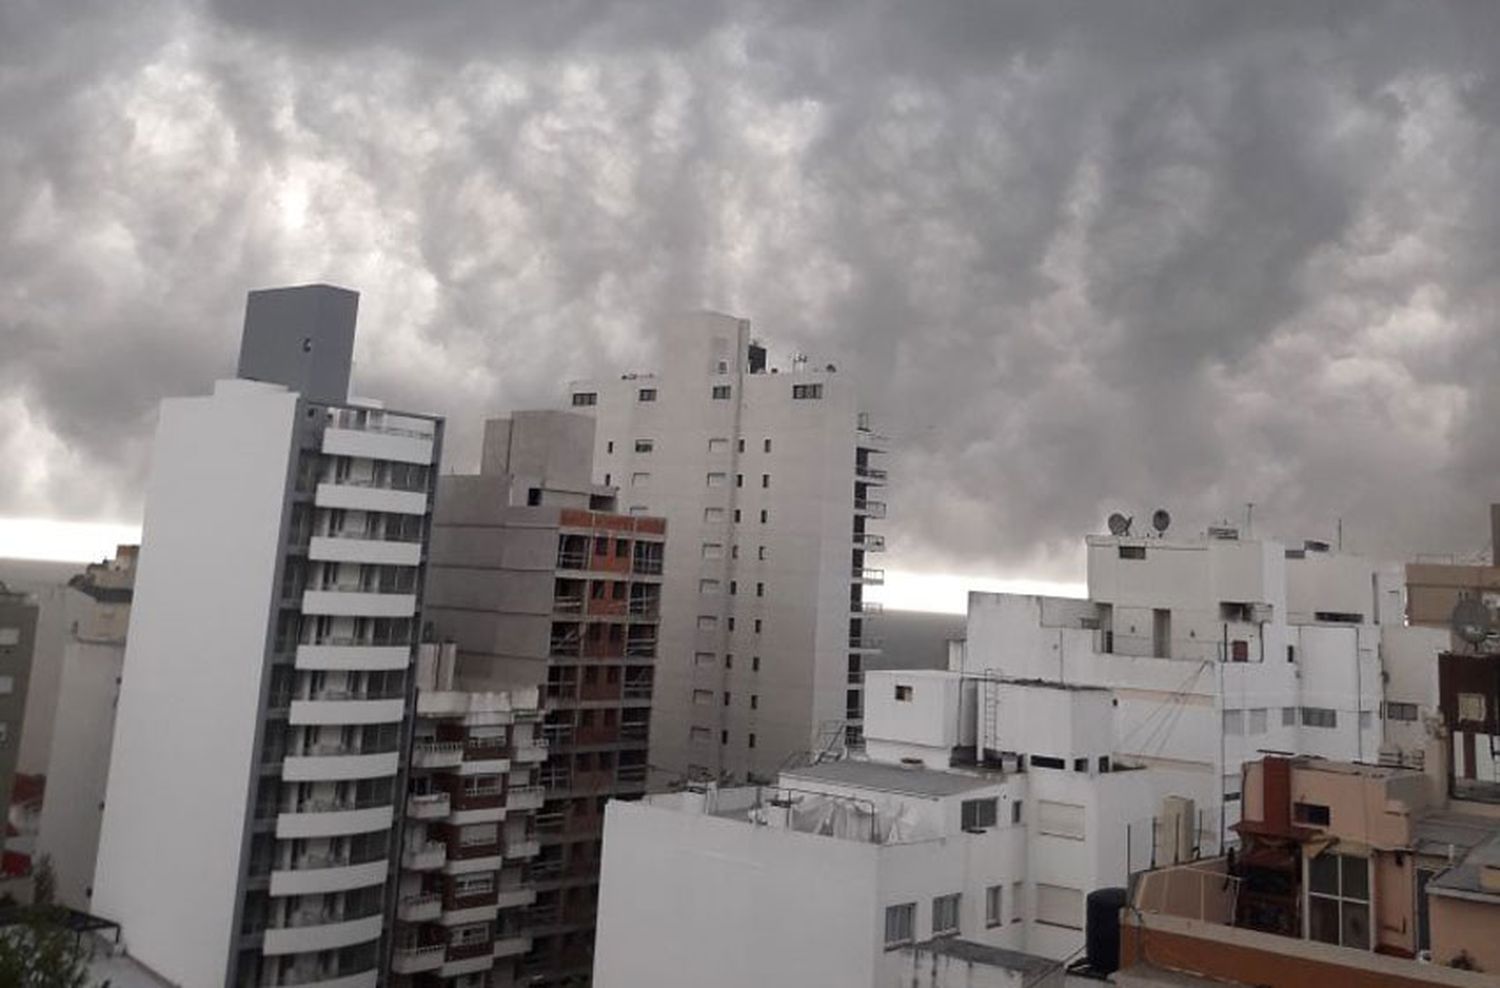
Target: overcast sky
(1084,256)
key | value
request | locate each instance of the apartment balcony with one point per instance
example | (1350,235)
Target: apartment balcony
(332,819)
(469,860)
(354,496)
(314,875)
(461,915)
(529,753)
(380,437)
(569,559)
(637,690)
(511,946)
(329,708)
(427,806)
(869,542)
(525,797)
(864,644)
(643,608)
(424,857)
(420,908)
(465,959)
(567,605)
(437,754)
(646,566)
(351,548)
(867,438)
(868,508)
(317,979)
(358,603)
(348,654)
(417,960)
(641,648)
(512,898)
(866,576)
(312,931)
(869,475)
(522,849)
(865,607)
(335,763)
(486,763)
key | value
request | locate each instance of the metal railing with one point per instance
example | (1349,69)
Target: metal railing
(868,575)
(637,691)
(872,474)
(866,607)
(572,560)
(643,566)
(873,509)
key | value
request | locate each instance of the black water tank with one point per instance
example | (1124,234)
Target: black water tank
(1102,935)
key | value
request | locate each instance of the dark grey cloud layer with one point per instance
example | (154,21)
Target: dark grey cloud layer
(1086,255)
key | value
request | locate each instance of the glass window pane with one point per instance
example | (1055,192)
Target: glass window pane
(1356,878)
(1323,919)
(1323,874)
(1356,925)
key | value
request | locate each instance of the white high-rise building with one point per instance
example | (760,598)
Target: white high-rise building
(768,478)
(254,782)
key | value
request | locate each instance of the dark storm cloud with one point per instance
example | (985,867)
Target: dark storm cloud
(1087,255)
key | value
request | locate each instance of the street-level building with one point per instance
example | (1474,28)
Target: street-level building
(542,584)
(849,866)
(769,479)
(255,777)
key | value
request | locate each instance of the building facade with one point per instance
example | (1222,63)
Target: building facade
(469,832)
(542,584)
(1218,648)
(18,633)
(98,603)
(846,868)
(251,807)
(770,480)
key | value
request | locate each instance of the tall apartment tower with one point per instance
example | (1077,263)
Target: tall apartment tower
(767,478)
(266,694)
(541,583)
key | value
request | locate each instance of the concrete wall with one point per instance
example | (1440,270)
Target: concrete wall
(175,808)
(1464,927)
(695,900)
(929,724)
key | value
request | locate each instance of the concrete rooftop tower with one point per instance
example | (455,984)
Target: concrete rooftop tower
(301,337)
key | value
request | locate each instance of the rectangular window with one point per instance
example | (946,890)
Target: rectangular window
(1060,819)
(707,622)
(754,701)
(721,392)
(609,447)
(644,445)
(713,550)
(703,698)
(994,906)
(755,663)
(765,480)
(945,915)
(723,737)
(708,586)
(718,445)
(757,626)
(713,516)
(1015,811)
(760,590)
(899,924)
(464,935)
(804,392)
(752,741)
(717,479)
(1258,722)
(640,479)
(1319,717)
(1132,552)
(1017,901)
(764,516)
(766,446)
(1057,905)
(760,552)
(979,814)
(1400,711)
(1311,814)
(1338,900)
(1471,708)
(646,394)
(581,398)
(903,693)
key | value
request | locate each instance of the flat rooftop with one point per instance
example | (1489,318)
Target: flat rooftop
(915,781)
(1438,833)
(1464,881)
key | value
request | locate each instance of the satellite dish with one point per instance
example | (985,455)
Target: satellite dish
(1119,524)
(1161,520)
(1471,620)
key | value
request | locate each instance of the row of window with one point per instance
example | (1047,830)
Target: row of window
(702,735)
(705,698)
(707,660)
(1238,723)
(711,586)
(715,445)
(715,550)
(710,622)
(718,392)
(947,915)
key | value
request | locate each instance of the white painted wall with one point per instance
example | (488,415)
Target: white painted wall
(175,808)
(936,716)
